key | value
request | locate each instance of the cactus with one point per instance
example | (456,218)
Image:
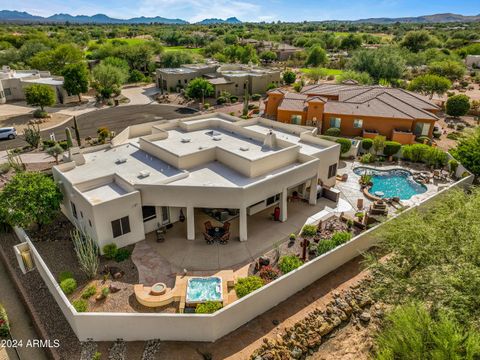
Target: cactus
(77,131)
(245,100)
(69,138)
(87,252)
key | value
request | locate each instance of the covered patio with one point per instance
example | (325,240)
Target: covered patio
(264,234)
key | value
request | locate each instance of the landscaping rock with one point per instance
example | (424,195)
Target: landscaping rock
(151,348)
(113,289)
(365,317)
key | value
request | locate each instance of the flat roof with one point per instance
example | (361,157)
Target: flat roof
(104,193)
(306,148)
(47,81)
(105,162)
(182,143)
(180,70)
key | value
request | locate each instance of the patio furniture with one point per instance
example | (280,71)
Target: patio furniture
(209,239)
(225,237)
(226,227)
(208,226)
(161,231)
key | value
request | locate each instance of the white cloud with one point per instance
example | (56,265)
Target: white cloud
(197,10)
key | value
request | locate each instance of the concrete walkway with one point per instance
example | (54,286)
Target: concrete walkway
(29,158)
(20,322)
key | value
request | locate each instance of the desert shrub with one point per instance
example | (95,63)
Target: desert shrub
(289,263)
(81,305)
(437,134)
(5,168)
(256,97)
(48,143)
(333,131)
(341,237)
(435,157)
(221,100)
(206,105)
(454,135)
(412,333)
(245,286)
(103,133)
(63,144)
(4,323)
(89,292)
(457,105)
(460,126)
(268,273)
(40,114)
(367,144)
(423,140)
(391,148)
(208,307)
(105,291)
(122,255)
(110,251)
(297,86)
(68,286)
(345,145)
(414,152)
(325,246)
(64,275)
(233,98)
(453,165)
(367,158)
(309,230)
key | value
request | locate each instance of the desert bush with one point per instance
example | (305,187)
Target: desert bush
(332,131)
(208,307)
(367,144)
(81,305)
(268,273)
(4,323)
(256,97)
(289,263)
(245,286)
(122,254)
(40,114)
(345,145)
(86,250)
(341,237)
(64,275)
(89,292)
(68,286)
(414,152)
(391,148)
(325,246)
(367,158)
(309,230)
(109,251)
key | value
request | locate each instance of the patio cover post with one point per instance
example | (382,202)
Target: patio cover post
(283,205)
(313,190)
(190,223)
(243,224)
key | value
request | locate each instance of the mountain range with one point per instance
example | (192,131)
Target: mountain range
(18,16)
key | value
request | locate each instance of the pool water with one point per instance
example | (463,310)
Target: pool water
(392,183)
(204,289)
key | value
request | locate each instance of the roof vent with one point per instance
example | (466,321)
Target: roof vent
(217,138)
(143,174)
(121,161)
(185,140)
(244,148)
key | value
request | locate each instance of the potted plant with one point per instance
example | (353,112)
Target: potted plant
(292,237)
(360,215)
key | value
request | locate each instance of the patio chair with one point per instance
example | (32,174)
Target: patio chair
(209,239)
(226,227)
(225,237)
(208,226)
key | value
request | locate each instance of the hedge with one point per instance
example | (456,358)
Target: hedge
(345,145)
(245,286)
(391,148)
(208,307)
(333,131)
(367,144)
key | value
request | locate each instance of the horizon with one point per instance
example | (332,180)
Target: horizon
(248,11)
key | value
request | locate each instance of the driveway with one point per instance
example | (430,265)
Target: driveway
(140,95)
(115,119)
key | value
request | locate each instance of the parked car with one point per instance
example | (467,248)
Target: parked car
(8,133)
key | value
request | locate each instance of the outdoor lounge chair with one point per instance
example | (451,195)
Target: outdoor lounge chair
(208,226)
(226,227)
(209,239)
(225,237)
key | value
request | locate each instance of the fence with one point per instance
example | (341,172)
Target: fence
(208,327)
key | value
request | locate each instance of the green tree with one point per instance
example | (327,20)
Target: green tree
(383,63)
(378,143)
(289,77)
(108,79)
(55,151)
(467,151)
(55,60)
(268,56)
(316,57)
(316,74)
(451,69)
(416,41)
(30,197)
(430,84)
(75,79)
(361,77)
(351,42)
(173,59)
(40,95)
(199,88)
(457,105)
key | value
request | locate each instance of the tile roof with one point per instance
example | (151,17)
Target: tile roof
(293,102)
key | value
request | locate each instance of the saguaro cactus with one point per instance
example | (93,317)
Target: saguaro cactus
(77,131)
(69,137)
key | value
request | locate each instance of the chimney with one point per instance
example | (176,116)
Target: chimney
(270,140)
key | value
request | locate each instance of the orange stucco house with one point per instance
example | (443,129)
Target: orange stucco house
(365,111)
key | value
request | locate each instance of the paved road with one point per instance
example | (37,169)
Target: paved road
(116,119)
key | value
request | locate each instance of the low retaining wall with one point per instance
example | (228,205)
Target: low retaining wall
(209,327)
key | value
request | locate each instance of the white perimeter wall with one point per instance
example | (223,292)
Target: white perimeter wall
(193,327)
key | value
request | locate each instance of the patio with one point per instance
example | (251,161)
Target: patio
(177,254)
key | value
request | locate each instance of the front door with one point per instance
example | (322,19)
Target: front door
(165,215)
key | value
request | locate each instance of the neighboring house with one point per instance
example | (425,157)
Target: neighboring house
(12,83)
(356,110)
(158,173)
(231,78)
(282,50)
(472,61)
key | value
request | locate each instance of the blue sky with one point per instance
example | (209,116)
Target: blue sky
(246,10)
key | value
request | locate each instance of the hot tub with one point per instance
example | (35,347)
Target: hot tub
(203,289)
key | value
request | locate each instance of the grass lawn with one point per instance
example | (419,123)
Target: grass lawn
(181,48)
(328,71)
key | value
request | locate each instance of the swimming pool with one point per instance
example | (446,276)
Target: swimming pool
(392,183)
(201,289)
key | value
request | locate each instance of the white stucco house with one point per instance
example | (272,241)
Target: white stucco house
(158,173)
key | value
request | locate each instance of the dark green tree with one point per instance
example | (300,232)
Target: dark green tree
(40,95)
(457,105)
(289,77)
(75,79)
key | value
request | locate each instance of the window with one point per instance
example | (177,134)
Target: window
(120,227)
(7,91)
(357,123)
(332,170)
(74,210)
(179,81)
(165,215)
(148,213)
(421,129)
(296,119)
(335,122)
(186,81)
